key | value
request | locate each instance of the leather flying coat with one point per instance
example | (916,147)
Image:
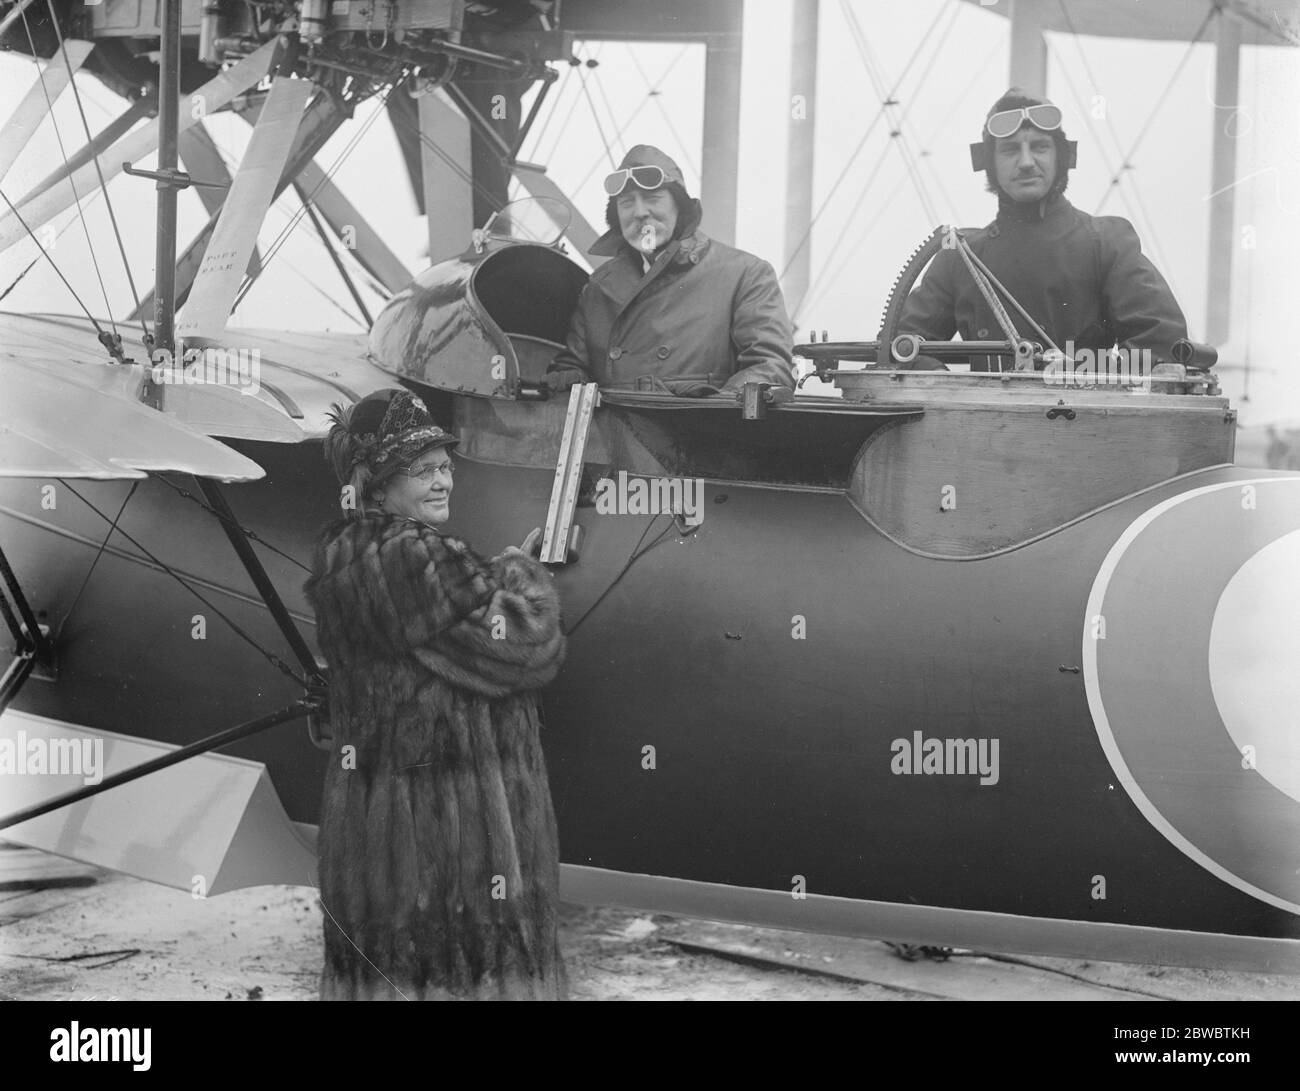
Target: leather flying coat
(1083,279)
(705,314)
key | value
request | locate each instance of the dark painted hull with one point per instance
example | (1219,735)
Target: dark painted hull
(772,755)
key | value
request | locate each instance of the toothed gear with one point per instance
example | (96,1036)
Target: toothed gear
(920,258)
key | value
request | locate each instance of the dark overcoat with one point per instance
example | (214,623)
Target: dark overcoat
(1083,279)
(439,859)
(704,315)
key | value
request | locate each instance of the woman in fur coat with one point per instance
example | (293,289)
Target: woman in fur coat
(438,854)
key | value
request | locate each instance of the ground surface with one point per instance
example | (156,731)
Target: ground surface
(73,933)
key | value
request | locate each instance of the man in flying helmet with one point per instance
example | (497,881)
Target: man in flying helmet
(672,310)
(1083,279)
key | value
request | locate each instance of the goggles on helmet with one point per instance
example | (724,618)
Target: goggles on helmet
(647,177)
(1007,122)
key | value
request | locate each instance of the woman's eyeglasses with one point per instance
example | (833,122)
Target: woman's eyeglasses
(429,470)
(1007,122)
(646,177)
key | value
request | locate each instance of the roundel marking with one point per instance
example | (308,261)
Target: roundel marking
(1189,657)
(1255,661)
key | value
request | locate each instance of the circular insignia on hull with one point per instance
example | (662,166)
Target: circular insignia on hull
(1191,662)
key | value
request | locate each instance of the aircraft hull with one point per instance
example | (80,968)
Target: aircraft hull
(736,708)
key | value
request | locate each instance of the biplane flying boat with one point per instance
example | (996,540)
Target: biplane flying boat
(950,656)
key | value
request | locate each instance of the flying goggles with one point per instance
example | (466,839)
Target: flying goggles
(647,177)
(1043,116)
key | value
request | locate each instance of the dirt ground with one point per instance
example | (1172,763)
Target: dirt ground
(111,937)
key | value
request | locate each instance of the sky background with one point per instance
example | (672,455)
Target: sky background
(870,213)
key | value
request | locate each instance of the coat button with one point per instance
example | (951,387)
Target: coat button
(981,334)
(663,352)
(615,353)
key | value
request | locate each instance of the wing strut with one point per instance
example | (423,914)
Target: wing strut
(31,640)
(217,501)
(312,704)
(213,292)
(303,707)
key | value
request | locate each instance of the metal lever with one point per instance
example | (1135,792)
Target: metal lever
(170,178)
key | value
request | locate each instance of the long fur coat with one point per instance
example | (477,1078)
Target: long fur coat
(438,853)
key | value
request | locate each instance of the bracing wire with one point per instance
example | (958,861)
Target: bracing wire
(1138,211)
(550,114)
(464,175)
(98,328)
(604,97)
(564,125)
(816,288)
(595,116)
(871,127)
(1164,94)
(652,93)
(271,657)
(1250,219)
(896,130)
(103,186)
(251,535)
(57,235)
(40,74)
(300,214)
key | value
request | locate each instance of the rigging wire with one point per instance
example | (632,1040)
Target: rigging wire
(816,290)
(49,104)
(99,553)
(338,306)
(595,115)
(1087,68)
(604,97)
(229,160)
(298,216)
(668,119)
(896,130)
(576,99)
(825,281)
(271,657)
(251,535)
(636,554)
(99,330)
(466,176)
(1250,219)
(812,223)
(653,91)
(103,186)
(60,232)
(1137,213)
(550,114)
(1187,55)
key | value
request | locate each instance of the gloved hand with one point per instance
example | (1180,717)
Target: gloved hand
(564,377)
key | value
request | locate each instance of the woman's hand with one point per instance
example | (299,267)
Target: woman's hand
(531,544)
